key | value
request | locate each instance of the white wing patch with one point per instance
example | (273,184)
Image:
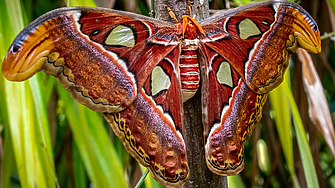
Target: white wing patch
(121,35)
(160,81)
(248,28)
(224,75)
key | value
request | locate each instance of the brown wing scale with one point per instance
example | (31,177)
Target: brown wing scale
(245,53)
(105,78)
(151,127)
(258,40)
(231,111)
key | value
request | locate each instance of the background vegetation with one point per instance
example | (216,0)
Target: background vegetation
(49,140)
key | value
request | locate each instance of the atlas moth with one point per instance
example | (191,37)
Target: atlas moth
(138,71)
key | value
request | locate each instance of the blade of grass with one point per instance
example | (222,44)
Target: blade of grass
(100,159)
(306,156)
(81,3)
(145,178)
(7,164)
(281,106)
(149,181)
(20,129)
(4,26)
(235,182)
(44,151)
(19,111)
(33,163)
(63,176)
(78,168)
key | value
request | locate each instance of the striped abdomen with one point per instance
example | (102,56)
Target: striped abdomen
(189,72)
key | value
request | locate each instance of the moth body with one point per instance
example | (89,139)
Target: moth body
(189,65)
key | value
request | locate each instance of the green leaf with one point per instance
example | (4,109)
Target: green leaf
(78,168)
(31,141)
(44,150)
(21,129)
(100,159)
(15,97)
(305,153)
(5,167)
(235,181)
(145,178)
(90,3)
(281,106)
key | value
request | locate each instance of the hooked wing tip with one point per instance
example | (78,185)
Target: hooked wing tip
(18,65)
(305,29)
(307,34)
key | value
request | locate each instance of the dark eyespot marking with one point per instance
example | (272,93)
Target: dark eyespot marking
(15,48)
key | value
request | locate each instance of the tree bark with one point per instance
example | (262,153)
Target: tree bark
(200,175)
(193,130)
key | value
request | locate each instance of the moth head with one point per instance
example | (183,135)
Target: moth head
(189,28)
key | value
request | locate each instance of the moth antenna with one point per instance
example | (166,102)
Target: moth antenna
(172,15)
(196,12)
(189,4)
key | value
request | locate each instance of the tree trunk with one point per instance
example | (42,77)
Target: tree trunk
(193,130)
